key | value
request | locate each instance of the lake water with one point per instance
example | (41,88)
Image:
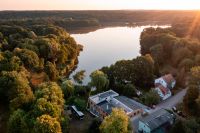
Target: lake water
(104,47)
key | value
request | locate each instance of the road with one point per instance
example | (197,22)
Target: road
(167,104)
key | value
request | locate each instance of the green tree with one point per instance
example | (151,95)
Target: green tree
(9,62)
(116,122)
(80,103)
(65,124)
(139,71)
(126,89)
(15,88)
(157,53)
(17,123)
(47,124)
(79,76)
(99,80)
(67,88)
(151,98)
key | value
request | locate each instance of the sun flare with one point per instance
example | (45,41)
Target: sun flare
(99,4)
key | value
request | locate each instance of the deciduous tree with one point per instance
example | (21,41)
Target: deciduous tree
(99,80)
(47,124)
(116,122)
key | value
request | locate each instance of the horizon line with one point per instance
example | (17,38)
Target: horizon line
(104,10)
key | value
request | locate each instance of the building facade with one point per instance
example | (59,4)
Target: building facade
(102,104)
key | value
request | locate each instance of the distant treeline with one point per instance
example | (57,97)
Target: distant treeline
(80,19)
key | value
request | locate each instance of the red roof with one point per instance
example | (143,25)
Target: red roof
(168,78)
(163,89)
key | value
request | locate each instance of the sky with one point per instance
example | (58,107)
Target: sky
(98,4)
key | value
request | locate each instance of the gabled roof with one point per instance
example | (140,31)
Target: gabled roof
(163,89)
(157,119)
(168,78)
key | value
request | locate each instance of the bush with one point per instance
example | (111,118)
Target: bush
(80,104)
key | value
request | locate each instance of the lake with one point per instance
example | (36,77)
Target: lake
(104,47)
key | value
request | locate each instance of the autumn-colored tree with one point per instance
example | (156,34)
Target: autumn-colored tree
(51,92)
(14,87)
(42,106)
(28,57)
(51,71)
(187,64)
(195,76)
(47,124)
(116,122)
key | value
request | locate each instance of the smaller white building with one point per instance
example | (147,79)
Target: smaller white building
(163,86)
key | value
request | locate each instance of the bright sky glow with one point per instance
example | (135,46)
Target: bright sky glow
(97,4)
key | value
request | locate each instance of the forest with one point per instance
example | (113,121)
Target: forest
(33,60)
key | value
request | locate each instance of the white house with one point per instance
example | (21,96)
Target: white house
(167,81)
(163,86)
(163,92)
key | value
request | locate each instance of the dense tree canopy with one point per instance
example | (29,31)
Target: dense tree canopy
(132,71)
(116,122)
(47,124)
(17,123)
(15,88)
(51,92)
(31,57)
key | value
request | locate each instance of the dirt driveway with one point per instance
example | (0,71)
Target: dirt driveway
(81,126)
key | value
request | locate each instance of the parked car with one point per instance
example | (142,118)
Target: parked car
(174,109)
(78,113)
